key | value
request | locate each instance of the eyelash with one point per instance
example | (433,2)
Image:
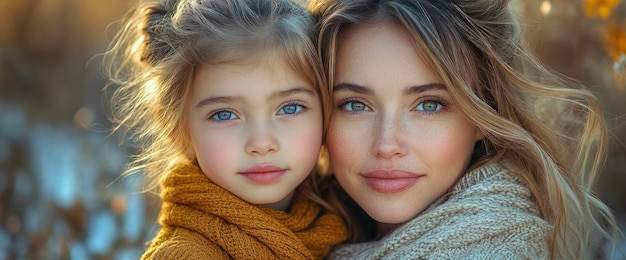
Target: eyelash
(438,101)
(346,101)
(294,103)
(213,115)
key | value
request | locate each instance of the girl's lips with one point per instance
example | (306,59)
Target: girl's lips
(390,181)
(263,173)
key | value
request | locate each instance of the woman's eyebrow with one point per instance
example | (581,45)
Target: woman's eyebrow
(353,87)
(422,88)
(408,91)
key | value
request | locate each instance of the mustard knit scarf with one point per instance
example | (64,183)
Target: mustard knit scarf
(201,220)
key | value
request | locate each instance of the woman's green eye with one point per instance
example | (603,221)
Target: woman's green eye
(355,106)
(429,106)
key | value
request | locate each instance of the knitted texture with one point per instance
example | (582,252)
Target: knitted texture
(201,220)
(489,214)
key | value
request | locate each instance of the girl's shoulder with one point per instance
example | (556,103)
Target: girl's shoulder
(181,243)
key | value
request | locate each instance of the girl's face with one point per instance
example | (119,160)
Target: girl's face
(397,141)
(256,129)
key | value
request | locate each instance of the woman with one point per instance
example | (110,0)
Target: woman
(453,138)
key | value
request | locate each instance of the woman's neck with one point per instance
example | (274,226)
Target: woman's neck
(382,229)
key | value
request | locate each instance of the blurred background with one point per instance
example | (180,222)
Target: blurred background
(61,194)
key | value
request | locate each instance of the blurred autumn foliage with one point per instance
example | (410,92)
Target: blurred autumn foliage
(600,8)
(60,192)
(614,31)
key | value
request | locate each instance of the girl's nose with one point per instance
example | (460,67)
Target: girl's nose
(261,139)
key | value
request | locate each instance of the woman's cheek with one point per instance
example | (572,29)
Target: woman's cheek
(343,143)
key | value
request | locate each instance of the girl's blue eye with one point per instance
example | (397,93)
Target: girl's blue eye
(224,115)
(355,106)
(290,109)
(429,106)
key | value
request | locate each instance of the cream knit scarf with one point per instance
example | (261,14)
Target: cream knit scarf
(489,214)
(200,219)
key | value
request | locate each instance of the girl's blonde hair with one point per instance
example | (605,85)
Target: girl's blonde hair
(548,129)
(154,56)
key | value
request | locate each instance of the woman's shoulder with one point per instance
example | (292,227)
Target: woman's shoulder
(491,193)
(492,183)
(496,172)
(490,213)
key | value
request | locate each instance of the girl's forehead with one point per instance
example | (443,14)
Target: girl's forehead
(275,67)
(268,56)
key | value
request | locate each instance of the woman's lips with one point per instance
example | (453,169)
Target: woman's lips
(390,181)
(263,173)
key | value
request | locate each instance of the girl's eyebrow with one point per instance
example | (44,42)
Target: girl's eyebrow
(407,91)
(220,99)
(276,94)
(293,91)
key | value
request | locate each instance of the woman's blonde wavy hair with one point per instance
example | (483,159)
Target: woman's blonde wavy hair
(548,129)
(152,60)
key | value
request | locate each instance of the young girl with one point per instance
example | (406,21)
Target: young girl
(225,100)
(453,138)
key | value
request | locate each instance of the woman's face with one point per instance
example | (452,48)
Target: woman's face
(397,141)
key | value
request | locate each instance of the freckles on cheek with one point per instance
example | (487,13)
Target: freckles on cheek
(341,148)
(450,151)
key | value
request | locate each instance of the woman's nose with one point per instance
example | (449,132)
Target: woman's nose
(389,137)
